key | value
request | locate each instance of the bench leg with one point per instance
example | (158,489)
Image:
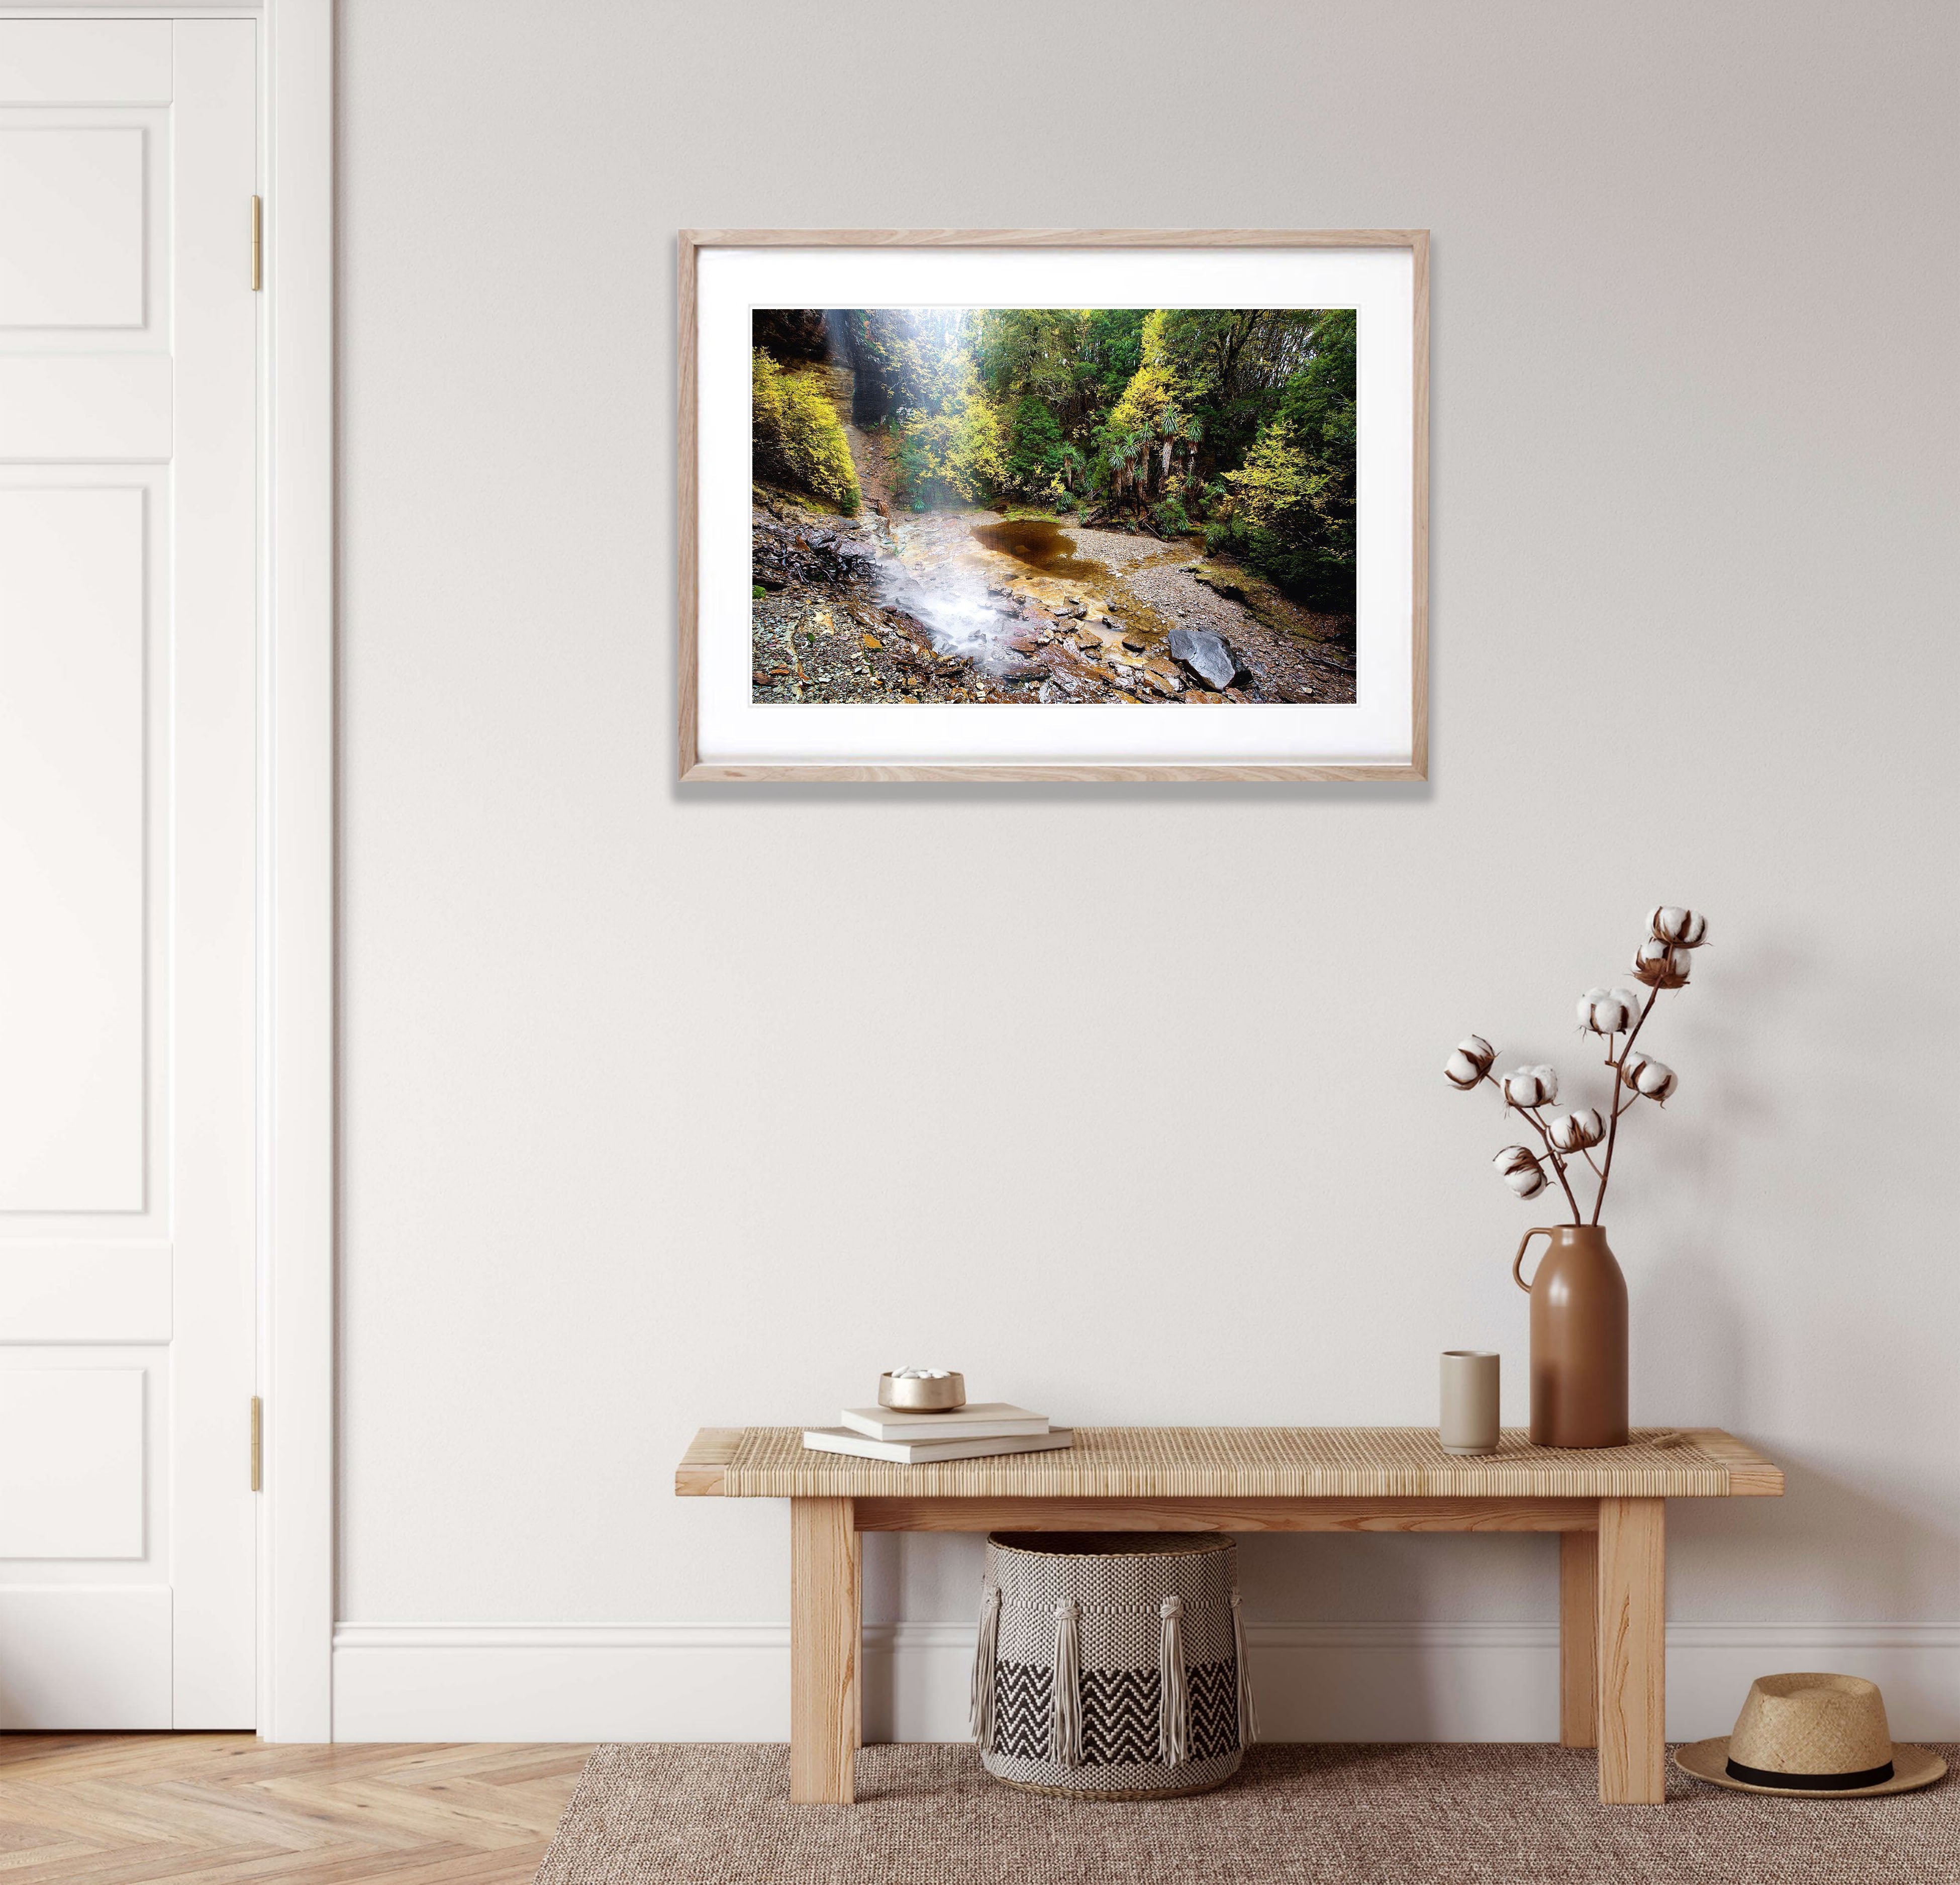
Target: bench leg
(824,1621)
(1633,1650)
(1578,1638)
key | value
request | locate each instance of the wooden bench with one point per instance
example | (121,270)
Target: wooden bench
(1608,1507)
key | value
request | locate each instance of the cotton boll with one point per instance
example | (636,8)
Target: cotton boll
(1531,1087)
(1661,965)
(1472,1061)
(1518,1167)
(1650,1078)
(1574,1131)
(1608,1011)
(1686,928)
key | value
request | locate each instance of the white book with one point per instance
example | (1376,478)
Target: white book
(978,1419)
(919,1452)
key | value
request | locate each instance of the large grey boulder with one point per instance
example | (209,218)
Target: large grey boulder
(1205,654)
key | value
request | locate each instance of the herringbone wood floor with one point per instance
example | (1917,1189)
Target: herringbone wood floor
(228,1809)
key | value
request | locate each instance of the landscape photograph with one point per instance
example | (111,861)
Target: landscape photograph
(1129,506)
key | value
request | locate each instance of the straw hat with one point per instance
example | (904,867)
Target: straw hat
(1822,1736)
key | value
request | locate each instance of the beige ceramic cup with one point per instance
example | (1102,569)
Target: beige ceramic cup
(1469,1422)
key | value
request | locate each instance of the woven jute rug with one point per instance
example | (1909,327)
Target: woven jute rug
(1404,1814)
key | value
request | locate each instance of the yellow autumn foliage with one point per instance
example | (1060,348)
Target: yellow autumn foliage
(796,438)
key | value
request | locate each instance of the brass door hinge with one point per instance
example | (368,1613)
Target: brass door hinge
(258,1444)
(258,253)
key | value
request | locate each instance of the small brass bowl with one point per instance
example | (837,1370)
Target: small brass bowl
(946,1395)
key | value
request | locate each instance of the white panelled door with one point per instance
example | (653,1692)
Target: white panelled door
(129,378)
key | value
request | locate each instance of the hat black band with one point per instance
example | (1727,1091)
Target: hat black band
(1819,1783)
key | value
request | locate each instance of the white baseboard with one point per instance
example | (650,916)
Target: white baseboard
(1316,1682)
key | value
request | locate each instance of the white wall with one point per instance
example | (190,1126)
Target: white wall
(665,1108)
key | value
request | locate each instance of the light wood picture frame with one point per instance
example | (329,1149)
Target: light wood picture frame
(716,740)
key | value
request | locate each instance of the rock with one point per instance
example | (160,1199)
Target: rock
(1223,584)
(1024,671)
(1025,644)
(1200,697)
(782,554)
(1205,655)
(1135,646)
(791,333)
(872,642)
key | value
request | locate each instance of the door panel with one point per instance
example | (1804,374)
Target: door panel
(99,408)
(128,837)
(100,1656)
(71,226)
(72,1098)
(77,1490)
(87,62)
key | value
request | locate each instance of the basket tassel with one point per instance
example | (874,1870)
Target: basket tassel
(980,1708)
(1249,1719)
(1065,1707)
(1174,1697)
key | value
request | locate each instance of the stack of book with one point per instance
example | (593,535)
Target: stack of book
(971,1432)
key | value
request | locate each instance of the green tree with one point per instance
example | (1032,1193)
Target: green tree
(1112,349)
(1290,508)
(955,447)
(1035,447)
(1292,515)
(1148,448)
(1029,350)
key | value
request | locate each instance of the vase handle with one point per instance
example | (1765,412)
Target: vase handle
(1518,1262)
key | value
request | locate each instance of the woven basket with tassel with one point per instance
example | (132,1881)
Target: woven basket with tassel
(1112,1666)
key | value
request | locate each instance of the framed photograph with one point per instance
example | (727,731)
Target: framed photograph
(957,504)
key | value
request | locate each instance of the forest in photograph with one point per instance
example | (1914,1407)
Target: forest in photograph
(1142,506)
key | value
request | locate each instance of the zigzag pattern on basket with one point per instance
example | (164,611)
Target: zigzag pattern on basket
(1119,1716)
(1214,1709)
(1119,1712)
(1021,1692)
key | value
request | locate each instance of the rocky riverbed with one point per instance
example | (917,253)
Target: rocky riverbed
(968,605)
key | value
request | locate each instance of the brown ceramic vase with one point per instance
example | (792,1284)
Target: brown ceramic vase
(1578,1339)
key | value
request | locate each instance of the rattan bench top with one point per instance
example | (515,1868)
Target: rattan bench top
(1242,1463)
